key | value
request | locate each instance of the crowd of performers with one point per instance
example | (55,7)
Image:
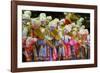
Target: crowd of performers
(48,39)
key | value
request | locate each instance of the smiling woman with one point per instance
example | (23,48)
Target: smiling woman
(53,36)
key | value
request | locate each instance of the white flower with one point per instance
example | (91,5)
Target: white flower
(54,23)
(42,17)
(77,26)
(56,20)
(83,31)
(65,13)
(86,31)
(79,22)
(27,13)
(75,29)
(25,16)
(49,18)
(74,33)
(68,28)
(73,24)
(35,21)
(82,27)
(81,19)
(61,21)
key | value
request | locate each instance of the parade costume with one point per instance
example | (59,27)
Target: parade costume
(47,38)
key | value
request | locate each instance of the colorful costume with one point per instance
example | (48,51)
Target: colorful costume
(54,54)
(61,51)
(43,52)
(66,40)
(72,44)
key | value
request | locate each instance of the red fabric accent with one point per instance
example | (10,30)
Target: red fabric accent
(67,21)
(67,49)
(54,54)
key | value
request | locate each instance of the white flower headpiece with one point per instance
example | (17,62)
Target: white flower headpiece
(42,17)
(26,15)
(68,28)
(49,18)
